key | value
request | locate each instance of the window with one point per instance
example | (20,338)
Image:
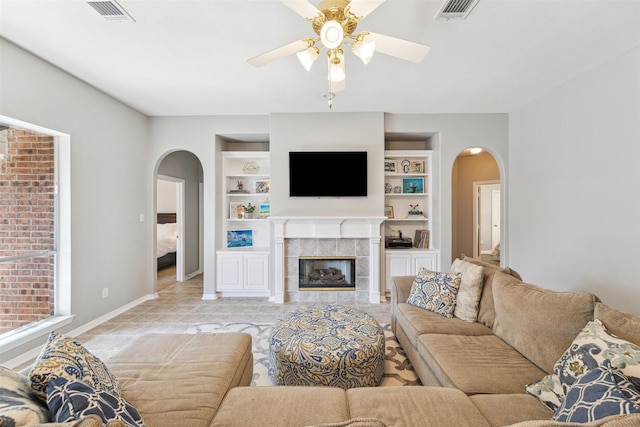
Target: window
(27,228)
(34,282)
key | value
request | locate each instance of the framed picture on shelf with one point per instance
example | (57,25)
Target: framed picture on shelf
(417,166)
(412,185)
(388,211)
(262,187)
(390,166)
(264,209)
(421,239)
(236,210)
(239,238)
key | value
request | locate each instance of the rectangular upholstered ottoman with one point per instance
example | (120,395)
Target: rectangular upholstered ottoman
(181,379)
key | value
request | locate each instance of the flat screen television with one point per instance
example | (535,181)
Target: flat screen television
(328,173)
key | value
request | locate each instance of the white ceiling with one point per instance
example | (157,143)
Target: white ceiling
(190,57)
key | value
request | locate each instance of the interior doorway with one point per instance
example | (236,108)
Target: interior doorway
(183,171)
(472,219)
(169,230)
(486,218)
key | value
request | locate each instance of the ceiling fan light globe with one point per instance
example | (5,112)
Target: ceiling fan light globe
(364,50)
(331,34)
(308,56)
(336,68)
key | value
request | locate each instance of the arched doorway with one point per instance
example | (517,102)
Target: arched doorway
(178,183)
(476,196)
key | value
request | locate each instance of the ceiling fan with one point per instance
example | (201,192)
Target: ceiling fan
(334,23)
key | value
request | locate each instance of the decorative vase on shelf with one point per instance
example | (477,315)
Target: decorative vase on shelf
(248,211)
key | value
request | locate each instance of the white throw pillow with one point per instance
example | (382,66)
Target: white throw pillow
(468,300)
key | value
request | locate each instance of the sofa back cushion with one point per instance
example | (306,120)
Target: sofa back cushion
(486,310)
(619,323)
(540,323)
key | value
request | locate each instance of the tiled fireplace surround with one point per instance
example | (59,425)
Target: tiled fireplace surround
(327,236)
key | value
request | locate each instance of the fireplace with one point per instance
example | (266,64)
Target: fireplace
(327,273)
(296,236)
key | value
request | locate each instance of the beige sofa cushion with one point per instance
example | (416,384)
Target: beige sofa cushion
(282,406)
(506,409)
(486,310)
(416,321)
(415,406)
(471,283)
(477,364)
(619,323)
(180,379)
(528,316)
(354,422)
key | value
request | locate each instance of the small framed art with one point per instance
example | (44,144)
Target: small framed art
(264,209)
(236,210)
(412,185)
(262,187)
(417,166)
(390,166)
(388,211)
(239,238)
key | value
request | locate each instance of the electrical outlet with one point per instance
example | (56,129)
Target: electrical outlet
(105,292)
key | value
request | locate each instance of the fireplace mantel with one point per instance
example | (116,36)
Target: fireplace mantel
(327,227)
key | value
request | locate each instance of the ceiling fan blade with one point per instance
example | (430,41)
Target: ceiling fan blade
(302,8)
(362,8)
(403,49)
(281,52)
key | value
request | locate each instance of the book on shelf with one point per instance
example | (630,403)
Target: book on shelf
(421,239)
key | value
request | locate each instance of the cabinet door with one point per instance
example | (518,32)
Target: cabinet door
(229,272)
(256,271)
(397,264)
(428,261)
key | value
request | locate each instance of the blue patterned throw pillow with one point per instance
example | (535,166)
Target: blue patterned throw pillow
(603,392)
(18,405)
(64,357)
(435,291)
(590,348)
(548,390)
(71,400)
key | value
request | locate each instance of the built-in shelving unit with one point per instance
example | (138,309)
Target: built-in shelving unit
(243,261)
(407,192)
(408,199)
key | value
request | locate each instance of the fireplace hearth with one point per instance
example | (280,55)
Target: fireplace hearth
(327,273)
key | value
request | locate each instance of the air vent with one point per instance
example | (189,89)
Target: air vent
(456,9)
(111,10)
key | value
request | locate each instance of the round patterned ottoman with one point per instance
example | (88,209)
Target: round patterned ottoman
(327,345)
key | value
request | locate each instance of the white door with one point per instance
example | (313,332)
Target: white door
(486,214)
(495,218)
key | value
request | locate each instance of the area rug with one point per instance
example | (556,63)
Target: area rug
(397,369)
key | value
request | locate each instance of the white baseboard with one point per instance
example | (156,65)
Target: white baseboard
(34,352)
(192,275)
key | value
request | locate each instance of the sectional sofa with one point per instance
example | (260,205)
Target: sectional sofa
(498,370)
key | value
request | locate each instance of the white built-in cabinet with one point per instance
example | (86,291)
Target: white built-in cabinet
(243,260)
(407,262)
(243,273)
(408,207)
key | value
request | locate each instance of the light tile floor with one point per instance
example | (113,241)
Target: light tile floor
(180,306)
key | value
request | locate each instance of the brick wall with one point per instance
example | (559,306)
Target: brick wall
(27,224)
